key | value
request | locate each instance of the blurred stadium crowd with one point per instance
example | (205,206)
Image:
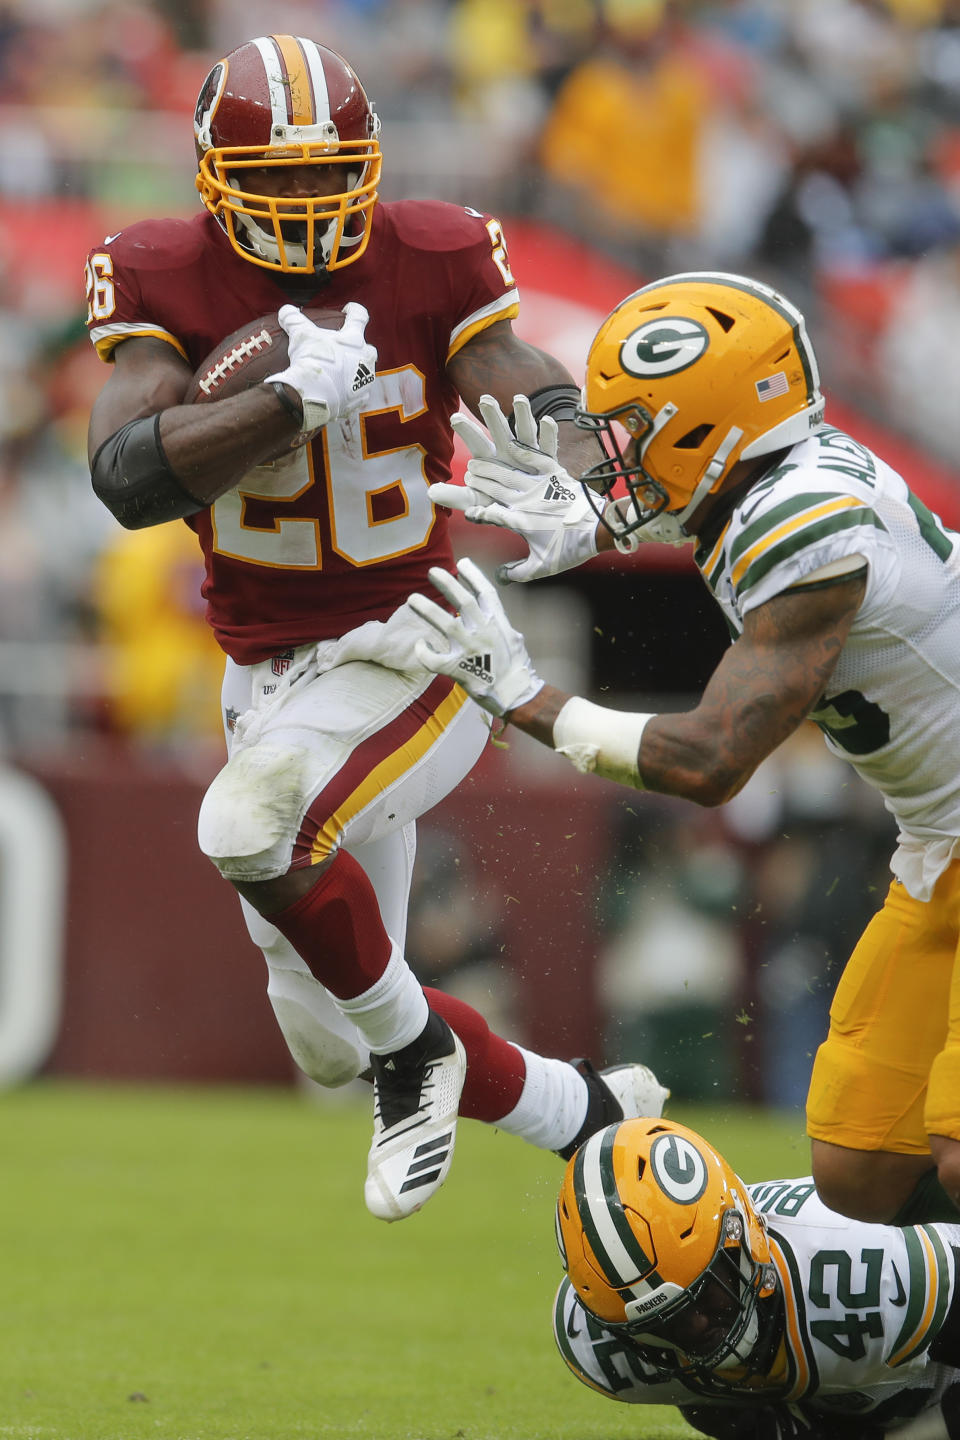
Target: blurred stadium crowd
(814,143)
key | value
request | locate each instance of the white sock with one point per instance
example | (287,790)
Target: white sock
(393,1012)
(552,1104)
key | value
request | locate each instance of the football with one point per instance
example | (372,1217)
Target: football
(248,356)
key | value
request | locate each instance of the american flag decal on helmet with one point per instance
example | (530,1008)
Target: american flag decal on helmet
(772,386)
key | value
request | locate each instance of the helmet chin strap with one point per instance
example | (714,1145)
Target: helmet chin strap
(712,473)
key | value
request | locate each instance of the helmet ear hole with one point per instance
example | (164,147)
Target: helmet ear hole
(724,320)
(694,438)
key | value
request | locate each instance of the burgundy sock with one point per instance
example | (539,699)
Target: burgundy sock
(336,929)
(495,1069)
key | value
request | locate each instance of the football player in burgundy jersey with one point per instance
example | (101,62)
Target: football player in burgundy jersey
(308,495)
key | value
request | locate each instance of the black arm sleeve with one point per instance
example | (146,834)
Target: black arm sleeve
(132,476)
(560,401)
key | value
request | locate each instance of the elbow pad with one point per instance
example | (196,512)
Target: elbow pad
(133,478)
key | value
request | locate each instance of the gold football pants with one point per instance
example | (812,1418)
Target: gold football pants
(888,1073)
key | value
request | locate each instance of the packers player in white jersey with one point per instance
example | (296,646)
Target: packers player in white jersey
(842,592)
(754,1308)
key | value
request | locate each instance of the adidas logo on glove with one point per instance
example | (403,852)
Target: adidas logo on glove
(363,377)
(556,491)
(478,665)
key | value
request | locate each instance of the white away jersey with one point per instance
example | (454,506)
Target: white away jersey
(893,703)
(862,1305)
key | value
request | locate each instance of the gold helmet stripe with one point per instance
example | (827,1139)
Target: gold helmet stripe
(296,81)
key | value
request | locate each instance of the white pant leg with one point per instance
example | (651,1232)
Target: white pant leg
(323,1042)
(389,863)
(324,718)
(346,757)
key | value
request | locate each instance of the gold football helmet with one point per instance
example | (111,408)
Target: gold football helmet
(662,1245)
(277,108)
(698,371)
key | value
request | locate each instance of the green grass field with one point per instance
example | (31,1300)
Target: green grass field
(198,1265)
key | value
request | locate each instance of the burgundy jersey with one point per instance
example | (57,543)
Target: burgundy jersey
(342,530)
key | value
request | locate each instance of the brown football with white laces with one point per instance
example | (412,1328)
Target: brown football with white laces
(248,356)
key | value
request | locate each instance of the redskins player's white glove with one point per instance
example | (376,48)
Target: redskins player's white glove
(519,484)
(330,370)
(478,647)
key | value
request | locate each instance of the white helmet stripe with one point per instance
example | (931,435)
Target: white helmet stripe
(274,69)
(619,1265)
(318,79)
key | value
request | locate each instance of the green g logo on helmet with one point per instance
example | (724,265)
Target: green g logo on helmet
(678,1168)
(663,347)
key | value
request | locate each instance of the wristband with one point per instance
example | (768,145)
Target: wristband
(600,741)
(292,407)
(560,401)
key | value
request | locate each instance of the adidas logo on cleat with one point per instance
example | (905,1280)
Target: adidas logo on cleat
(416,1096)
(427,1163)
(363,377)
(478,665)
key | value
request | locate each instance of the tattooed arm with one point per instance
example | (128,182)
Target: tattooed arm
(765,685)
(496,362)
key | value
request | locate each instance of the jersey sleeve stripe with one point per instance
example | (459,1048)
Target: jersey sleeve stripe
(106,338)
(751,573)
(805,1377)
(563,1343)
(745,551)
(929,1294)
(715,557)
(774,521)
(916,1295)
(505,307)
(711,565)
